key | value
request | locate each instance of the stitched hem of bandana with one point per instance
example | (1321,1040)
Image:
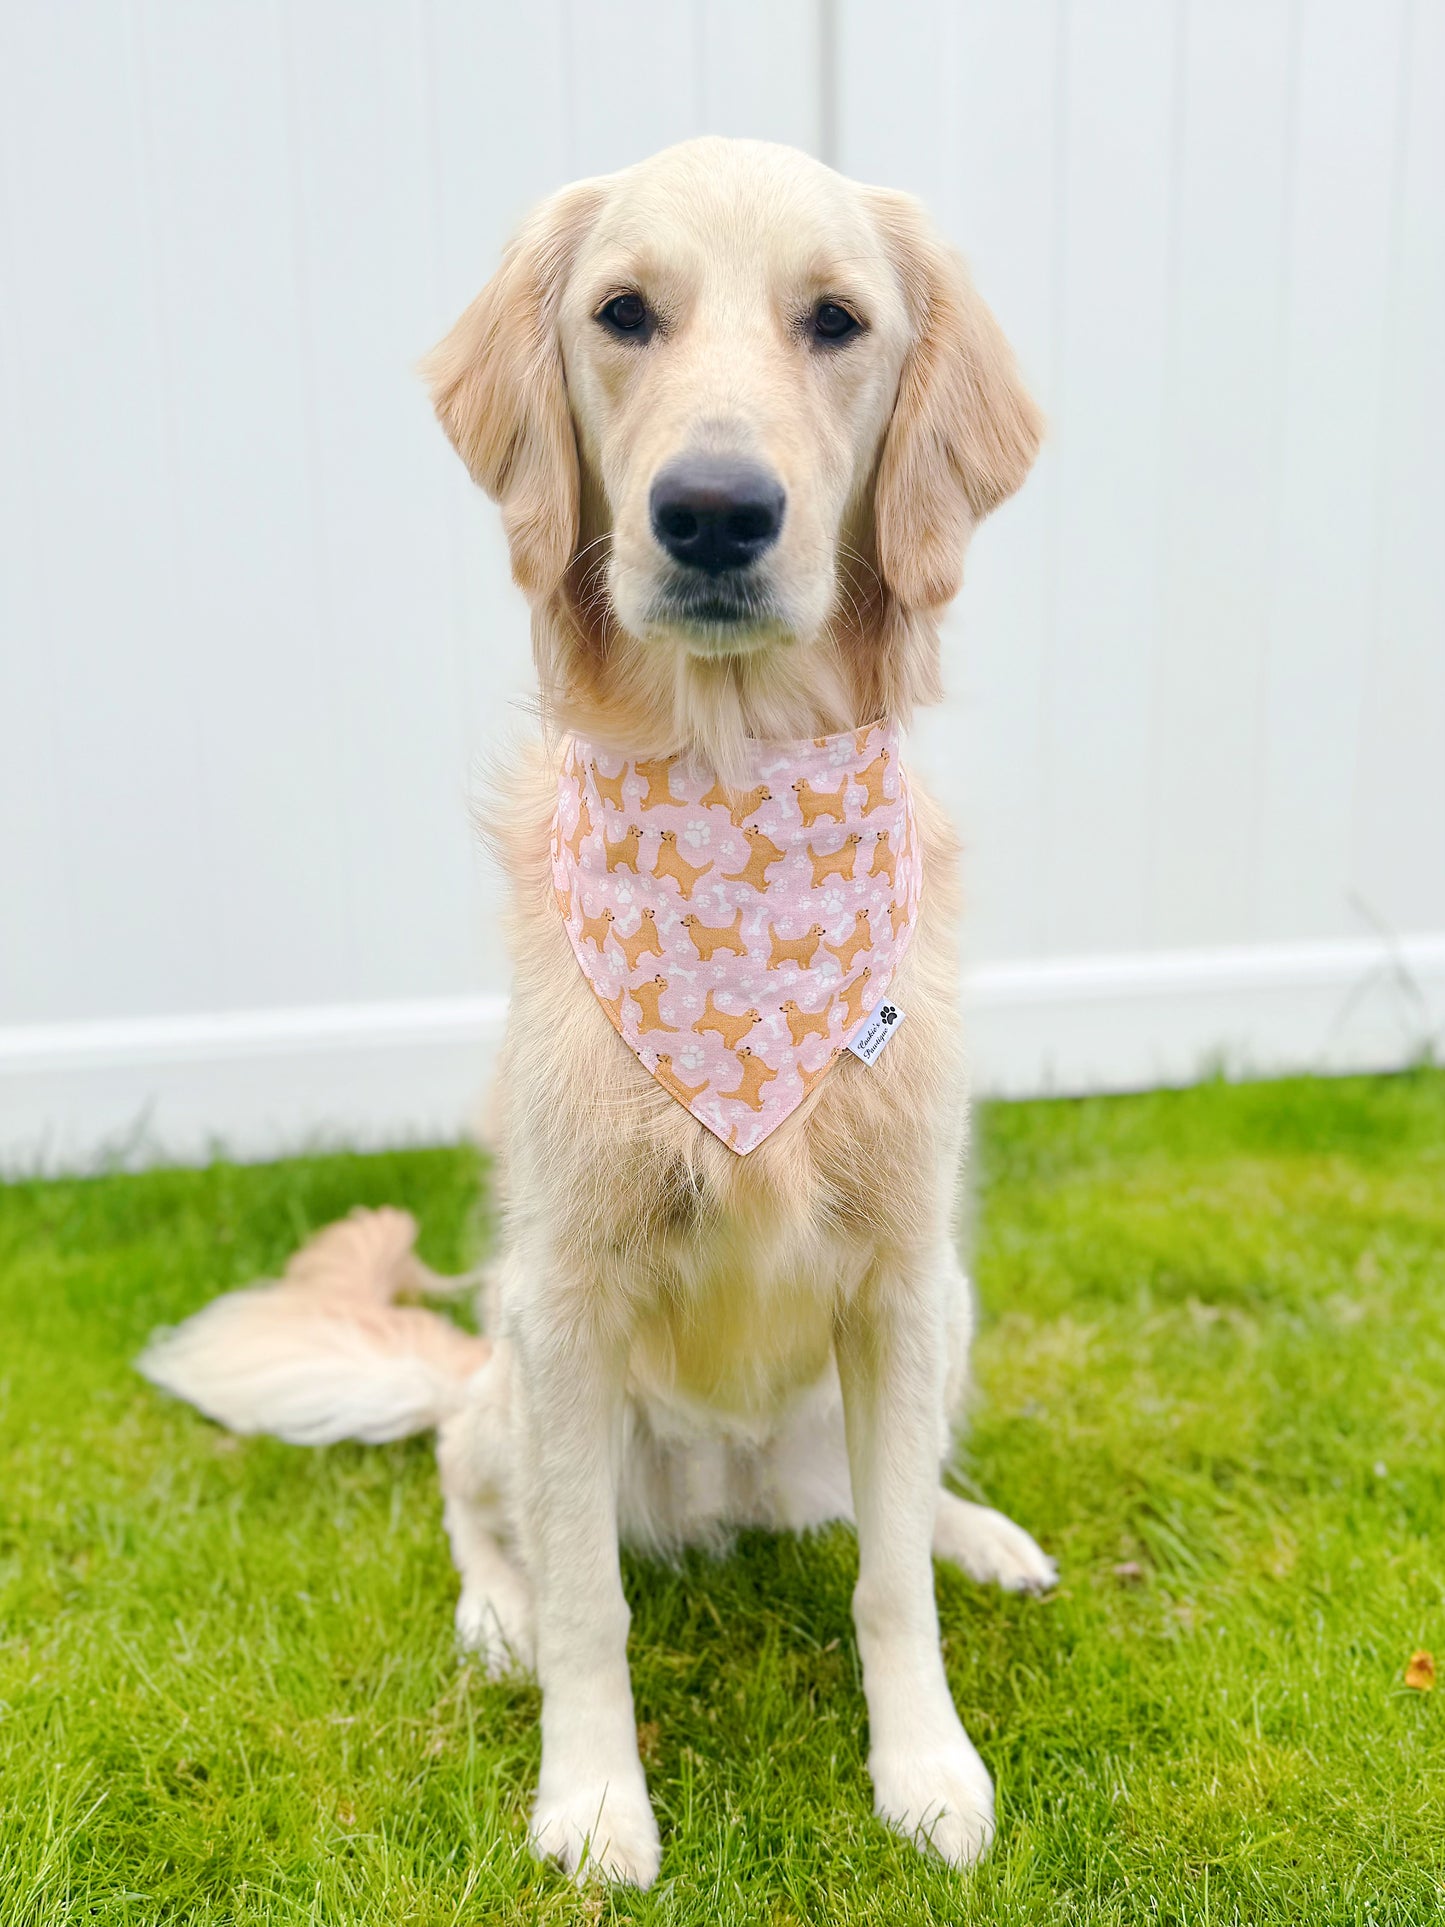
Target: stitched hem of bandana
(738,939)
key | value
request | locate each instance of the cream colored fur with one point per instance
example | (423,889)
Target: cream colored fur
(325,1353)
(685,1340)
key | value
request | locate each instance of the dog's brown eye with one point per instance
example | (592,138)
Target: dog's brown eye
(626,314)
(832,322)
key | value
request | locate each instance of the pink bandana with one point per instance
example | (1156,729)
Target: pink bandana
(738,940)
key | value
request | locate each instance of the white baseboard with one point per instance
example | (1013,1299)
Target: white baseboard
(257,1084)
(1172,1017)
(245,1084)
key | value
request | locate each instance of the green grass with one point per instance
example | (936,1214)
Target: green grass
(1211,1354)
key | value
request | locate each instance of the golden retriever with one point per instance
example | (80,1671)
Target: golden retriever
(685,1340)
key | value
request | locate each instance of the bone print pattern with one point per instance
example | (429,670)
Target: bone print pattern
(737,935)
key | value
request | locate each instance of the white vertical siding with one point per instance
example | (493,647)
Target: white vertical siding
(1333,373)
(1117,127)
(1398,771)
(256,628)
(1222,452)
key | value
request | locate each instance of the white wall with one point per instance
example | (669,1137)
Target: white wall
(255,627)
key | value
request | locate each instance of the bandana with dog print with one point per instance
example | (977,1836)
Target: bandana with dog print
(738,939)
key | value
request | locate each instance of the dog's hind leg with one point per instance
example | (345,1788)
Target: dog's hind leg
(804,1480)
(474,1457)
(806,1484)
(989,1547)
(494,1609)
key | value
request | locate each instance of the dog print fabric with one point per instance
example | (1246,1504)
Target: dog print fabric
(738,938)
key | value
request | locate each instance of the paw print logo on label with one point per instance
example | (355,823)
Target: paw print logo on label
(869,1043)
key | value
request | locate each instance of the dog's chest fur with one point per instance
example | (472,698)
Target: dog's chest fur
(741,1325)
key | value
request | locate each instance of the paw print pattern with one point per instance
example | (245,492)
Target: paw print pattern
(736,933)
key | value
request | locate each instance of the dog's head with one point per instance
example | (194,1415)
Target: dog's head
(729,401)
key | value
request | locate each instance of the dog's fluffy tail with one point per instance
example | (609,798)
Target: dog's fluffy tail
(325,1353)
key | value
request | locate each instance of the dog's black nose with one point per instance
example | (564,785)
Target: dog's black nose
(716,513)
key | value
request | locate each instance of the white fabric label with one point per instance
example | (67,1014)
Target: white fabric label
(868,1045)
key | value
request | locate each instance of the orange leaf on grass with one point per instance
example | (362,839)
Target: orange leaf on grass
(1420,1673)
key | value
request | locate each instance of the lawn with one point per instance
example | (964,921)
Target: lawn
(1211,1380)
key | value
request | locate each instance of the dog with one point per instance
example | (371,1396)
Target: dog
(741,416)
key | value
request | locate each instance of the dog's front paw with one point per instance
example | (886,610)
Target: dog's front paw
(599,1832)
(942,1800)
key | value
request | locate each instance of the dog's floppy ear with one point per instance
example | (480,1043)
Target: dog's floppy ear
(499,390)
(964,431)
